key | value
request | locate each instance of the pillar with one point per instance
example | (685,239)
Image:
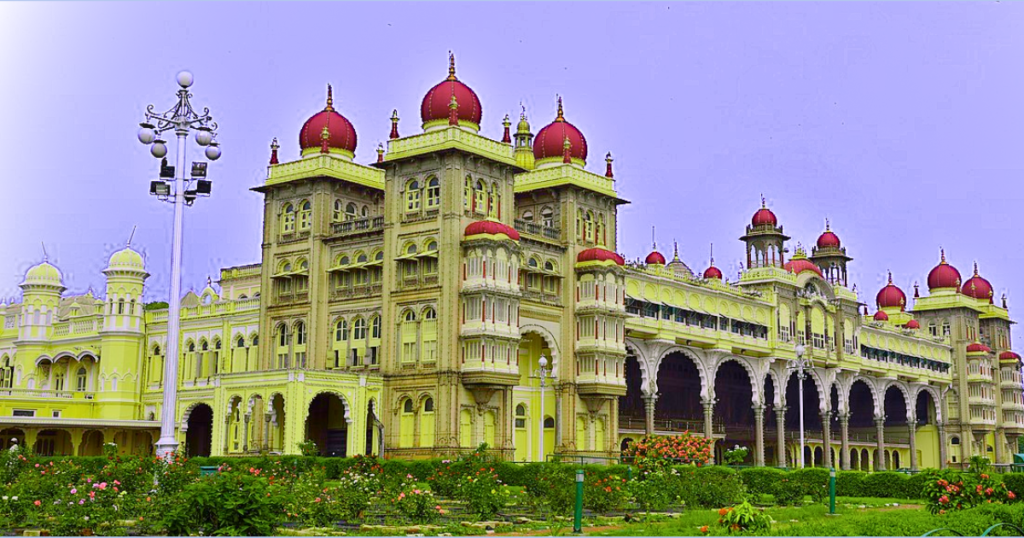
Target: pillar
(880,460)
(76,440)
(943,448)
(759,435)
(844,433)
(912,427)
(649,401)
(227,433)
(826,438)
(780,431)
(1000,444)
(709,407)
(266,432)
(245,433)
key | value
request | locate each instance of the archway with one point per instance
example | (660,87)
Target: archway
(54,443)
(374,430)
(276,426)
(734,408)
(631,406)
(927,431)
(11,437)
(771,422)
(895,412)
(812,414)
(199,436)
(92,444)
(527,393)
(678,407)
(327,425)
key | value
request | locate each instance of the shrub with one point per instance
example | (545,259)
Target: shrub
(813,482)
(851,484)
(735,455)
(708,487)
(603,495)
(482,492)
(227,503)
(555,487)
(418,505)
(744,517)
(887,484)
(789,492)
(652,490)
(654,450)
(762,480)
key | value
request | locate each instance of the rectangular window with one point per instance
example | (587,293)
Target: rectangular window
(24,412)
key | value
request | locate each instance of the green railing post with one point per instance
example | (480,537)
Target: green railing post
(832,491)
(577,520)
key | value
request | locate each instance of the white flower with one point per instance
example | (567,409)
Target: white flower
(5,497)
(14,498)
(87,518)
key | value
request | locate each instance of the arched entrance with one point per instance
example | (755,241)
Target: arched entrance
(813,431)
(374,430)
(928,431)
(92,444)
(678,407)
(11,437)
(528,419)
(896,429)
(861,406)
(199,437)
(327,424)
(275,428)
(54,443)
(734,408)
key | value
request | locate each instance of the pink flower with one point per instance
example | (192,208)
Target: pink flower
(74,491)
(37,503)
(103,485)
(81,501)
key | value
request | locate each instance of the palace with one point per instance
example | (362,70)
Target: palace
(411,307)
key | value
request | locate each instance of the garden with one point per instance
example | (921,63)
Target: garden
(667,488)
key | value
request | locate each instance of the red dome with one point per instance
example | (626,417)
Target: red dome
(712,272)
(764,217)
(549,142)
(977,287)
(799,265)
(599,255)
(1009,356)
(943,275)
(828,240)
(655,258)
(978,348)
(913,324)
(436,102)
(491,227)
(342,133)
(881,316)
(891,297)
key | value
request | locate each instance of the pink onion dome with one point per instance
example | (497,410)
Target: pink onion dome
(764,216)
(828,239)
(550,140)
(599,254)
(655,258)
(913,324)
(978,348)
(799,263)
(436,103)
(1008,356)
(881,316)
(943,276)
(977,287)
(891,296)
(491,227)
(341,133)
(713,272)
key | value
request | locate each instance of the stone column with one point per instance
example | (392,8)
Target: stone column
(943,449)
(649,401)
(1000,443)
(826,438)
(266,432)
(227,433)
(780,431)
(844,432)
(759,435)
(912,428)
(880,460)
(245,433)
(709,407)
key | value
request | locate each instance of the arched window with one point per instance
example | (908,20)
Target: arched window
(407,406)
(494,201)
(81,381)
(410,315)
(547,217)
(379,256)
(287,219)
(412,196)
(282,335)
(432,246)
(341,331)
(375,327)
(480,194)
(549,423)
(433,193)
(599,237)
(191,347)
(256,340)
(467,195)
(156,351)
(429,313)
(528,216)
(359,329)
(548,266)
(365,212)
(351,211)
(520,410)
(306,216)
(428,405)
(300,333)
(336,214)
(532,262)
(240,342)
(120,306)
(205,346)
(588,226)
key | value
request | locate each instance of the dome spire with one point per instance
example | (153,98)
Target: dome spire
(712,254)
(975,268)
(451,66)
(273,151)
(394,124)
(827,229)
(330,99)
(763,205)
(561,115)
(675,251)
(506,138)
(46,257)
(942,255)
(132,235)
(608,167)
(890,277)
(917,293)
(380,152)
(654,242)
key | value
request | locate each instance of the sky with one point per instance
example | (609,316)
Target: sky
(901,123)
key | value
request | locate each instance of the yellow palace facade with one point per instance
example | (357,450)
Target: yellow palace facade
(406,307)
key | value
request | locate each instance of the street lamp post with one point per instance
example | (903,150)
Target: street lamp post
(799,349)
(543,373)
(181,119)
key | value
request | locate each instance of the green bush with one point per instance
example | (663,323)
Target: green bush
(708,487)
(887,484)
(234,504)
(762,480)
(652,490)
(850,483)
(813,482)
(1014,482)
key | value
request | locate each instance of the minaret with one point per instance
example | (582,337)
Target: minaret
(123,333)
(765,239)
(41,293)
(830,256)
(524,143)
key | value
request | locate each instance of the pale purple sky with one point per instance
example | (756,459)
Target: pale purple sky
(901,123)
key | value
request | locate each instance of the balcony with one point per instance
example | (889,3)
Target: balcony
(358,226)
(538,296)
(32,394)
(483,372)
(356,292)
(530,228)
(637,424)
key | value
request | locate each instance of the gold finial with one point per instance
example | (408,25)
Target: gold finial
(763,202)
(522,115)
(654,242)
(890,278)
(325,134)
(274,145)
(561,116)
(827,225)
(942,254)
(675,250)
(975,271)
(330,99)
(451,66)
(46,257)
(209,281)
(453,103)
(505,122)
